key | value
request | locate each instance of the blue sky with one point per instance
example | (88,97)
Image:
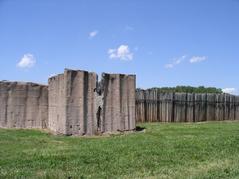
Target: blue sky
(163,42)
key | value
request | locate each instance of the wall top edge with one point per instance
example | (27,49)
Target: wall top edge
(22,83)
(131,75)
(66,70)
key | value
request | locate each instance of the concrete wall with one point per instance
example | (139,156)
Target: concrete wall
(118,102)
(23,105)
(57,104)
(72,103)
(80,105)
(81,102)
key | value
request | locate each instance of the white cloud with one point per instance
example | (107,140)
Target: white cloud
(27,61)
(93,34)
(197,59)
(233,91)
(175,62)
(122,53)
(51,75)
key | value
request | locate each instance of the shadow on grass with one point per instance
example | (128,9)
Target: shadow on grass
(139,129)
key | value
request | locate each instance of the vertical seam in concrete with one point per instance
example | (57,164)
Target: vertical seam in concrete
(105,87)
(129,117)
(6,108)
(25,107)
(85,102)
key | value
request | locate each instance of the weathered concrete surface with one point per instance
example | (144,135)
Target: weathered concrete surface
(72,103)
(80,105)
(57,104)
(23,105)
(118,102)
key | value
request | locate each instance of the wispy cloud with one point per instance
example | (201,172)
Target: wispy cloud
(192,60)
(197,59)
(27,61)
(233,91)
(93,34)
(176,61)
(122,52)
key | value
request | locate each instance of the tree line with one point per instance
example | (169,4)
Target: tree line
(187,89)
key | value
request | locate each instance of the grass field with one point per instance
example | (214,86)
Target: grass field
(202,150)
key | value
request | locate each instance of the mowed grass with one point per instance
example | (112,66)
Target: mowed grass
(201,150)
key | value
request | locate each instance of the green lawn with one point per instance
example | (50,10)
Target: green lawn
(202,150)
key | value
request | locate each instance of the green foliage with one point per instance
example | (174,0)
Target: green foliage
(189,89)
(203,150)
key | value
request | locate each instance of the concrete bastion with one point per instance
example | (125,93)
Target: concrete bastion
(73,103)
(79,104)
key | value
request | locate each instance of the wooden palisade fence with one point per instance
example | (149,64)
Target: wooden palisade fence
(152,106)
